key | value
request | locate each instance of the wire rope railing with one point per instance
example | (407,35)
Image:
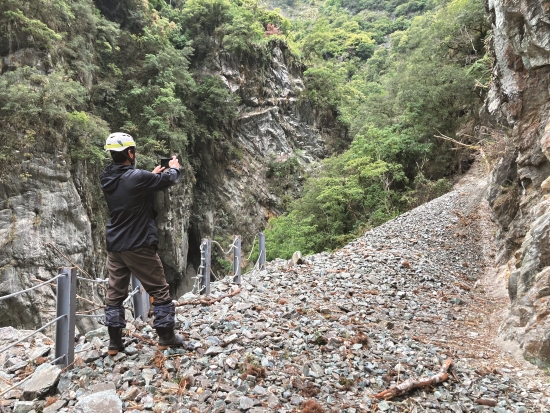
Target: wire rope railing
(31,334)
(64,320)
(66,296)
(93,280)
(5,297)
(201,284)
(66,314)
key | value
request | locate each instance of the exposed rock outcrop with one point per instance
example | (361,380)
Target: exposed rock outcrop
(518,104)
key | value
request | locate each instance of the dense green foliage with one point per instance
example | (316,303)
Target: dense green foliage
(394,98)
(126,65)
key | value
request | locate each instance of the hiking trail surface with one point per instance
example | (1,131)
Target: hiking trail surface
(390,306)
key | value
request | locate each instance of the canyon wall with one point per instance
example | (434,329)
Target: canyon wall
(517,114)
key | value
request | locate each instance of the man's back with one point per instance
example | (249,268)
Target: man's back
(128,193)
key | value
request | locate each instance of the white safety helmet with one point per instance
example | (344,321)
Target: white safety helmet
(119,141)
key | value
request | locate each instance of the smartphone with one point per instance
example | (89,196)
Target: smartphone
(164,162)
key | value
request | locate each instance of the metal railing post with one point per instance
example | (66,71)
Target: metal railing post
(261,259)
(237,259)
(205,280)
(140,300)
(66,308)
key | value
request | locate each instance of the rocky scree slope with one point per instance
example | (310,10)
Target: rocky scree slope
(52,199)
(517,116)
(392,305)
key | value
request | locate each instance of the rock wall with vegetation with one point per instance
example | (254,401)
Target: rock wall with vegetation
(518,108)
(201,79)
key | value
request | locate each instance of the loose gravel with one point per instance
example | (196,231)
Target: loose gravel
(336,330)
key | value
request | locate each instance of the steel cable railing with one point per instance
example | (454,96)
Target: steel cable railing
(93,280)
(66,296)
(64,321)
(66,311)
(4,297)
(201,284)
(31,334)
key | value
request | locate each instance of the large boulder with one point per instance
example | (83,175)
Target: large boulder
(43,382)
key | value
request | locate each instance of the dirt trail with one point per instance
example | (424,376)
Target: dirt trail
(493,303)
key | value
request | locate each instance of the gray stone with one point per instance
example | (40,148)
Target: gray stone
(24,406)
(119,356)
(230,339)
(231,362)
(101,402)
(89,356)
(260,390)
(213,351)
(204,396)
(42,382)
(131,350)
(383,405)
(130,394)
(168,386)
(101,332)
(38,352)
(246,403)
(316,370)
(17,366)
(101,387)
(296,400)
(55,406)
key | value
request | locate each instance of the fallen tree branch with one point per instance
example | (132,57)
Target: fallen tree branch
(473,147)
(447,138)
(92,310)
(52,245)
(208,300)
(412,384)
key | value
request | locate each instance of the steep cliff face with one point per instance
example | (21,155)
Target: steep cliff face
(518,113)
(51,200)
(233,192)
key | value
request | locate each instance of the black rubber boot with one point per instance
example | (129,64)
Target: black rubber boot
(115,340)
(167,338)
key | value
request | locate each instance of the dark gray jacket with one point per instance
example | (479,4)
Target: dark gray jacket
(129,195)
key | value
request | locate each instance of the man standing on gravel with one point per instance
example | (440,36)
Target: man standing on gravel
(132,239)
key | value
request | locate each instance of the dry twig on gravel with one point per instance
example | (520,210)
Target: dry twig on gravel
(412,384)
(146,340)
(311,406)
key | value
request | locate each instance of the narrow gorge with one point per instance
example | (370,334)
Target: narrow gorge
(229,87)
(51,203)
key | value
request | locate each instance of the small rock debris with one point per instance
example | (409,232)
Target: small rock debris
(323,336)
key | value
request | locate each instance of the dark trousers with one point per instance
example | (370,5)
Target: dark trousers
(145,264)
